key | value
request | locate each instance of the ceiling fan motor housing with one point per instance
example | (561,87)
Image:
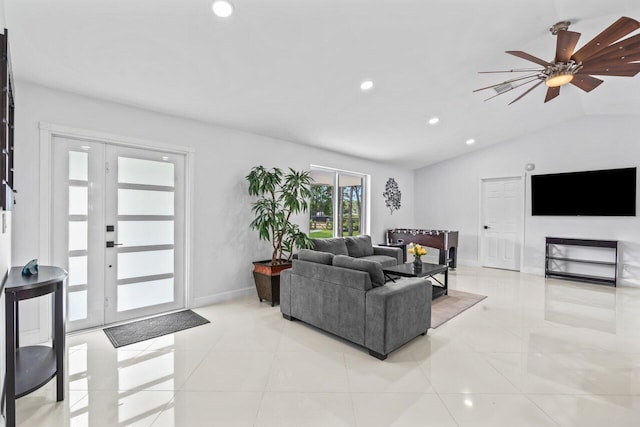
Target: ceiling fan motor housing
(560,74)
(559,26)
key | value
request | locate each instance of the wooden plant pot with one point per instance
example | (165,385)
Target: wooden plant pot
(267,278)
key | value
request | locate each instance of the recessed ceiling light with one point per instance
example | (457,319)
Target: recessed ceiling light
(366,85)
(434,121)
(165,158)
(222,8)
(471,141)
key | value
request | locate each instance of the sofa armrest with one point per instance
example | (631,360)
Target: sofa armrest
(397,313)
(285,292)
(389,251)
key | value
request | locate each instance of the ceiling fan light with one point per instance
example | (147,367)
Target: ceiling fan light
(559,79)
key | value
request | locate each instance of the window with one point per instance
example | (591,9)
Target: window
(338,203)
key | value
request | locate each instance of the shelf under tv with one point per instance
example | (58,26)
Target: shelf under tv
(582,277)
(590,278)
(586,261)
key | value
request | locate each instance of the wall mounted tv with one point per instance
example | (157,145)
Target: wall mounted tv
(610,192)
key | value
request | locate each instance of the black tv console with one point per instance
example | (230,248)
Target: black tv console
(560,241)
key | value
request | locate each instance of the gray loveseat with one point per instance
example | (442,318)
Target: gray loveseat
(349,298)
(360,247)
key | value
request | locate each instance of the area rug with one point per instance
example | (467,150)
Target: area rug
(152,328)
(447,307)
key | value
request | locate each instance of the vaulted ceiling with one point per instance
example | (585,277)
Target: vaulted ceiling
(291,69)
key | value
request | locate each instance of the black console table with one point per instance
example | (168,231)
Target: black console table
(559,241)
(31,367)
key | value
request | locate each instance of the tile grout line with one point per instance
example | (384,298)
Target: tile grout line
(415,359)
(353,405)
(266,384)
(541,409)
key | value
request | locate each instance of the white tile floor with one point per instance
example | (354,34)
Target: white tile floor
(535,353)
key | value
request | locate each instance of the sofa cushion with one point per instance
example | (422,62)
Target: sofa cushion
(336,246)
(384,260)
(373,268)
(359,246)
(315,256)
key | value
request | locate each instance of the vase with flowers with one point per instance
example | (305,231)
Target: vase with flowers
(417,251)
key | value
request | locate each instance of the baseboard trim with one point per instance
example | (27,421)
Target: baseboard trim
(469,262)
(223,297)
(534,271)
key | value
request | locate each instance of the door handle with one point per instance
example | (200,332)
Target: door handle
(111,244)
(486,227)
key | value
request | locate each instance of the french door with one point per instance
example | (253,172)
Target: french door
(118,228)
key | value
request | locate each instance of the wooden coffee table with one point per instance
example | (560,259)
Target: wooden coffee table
(427,270)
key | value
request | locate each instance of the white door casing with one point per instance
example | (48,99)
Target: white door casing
(501,222)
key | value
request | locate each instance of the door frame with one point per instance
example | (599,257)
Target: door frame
(49,131)
(523,183)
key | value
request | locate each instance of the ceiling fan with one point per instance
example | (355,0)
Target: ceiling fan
(605,55)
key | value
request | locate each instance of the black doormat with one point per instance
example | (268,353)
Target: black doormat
(153,328)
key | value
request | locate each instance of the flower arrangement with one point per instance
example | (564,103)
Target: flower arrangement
(417,250)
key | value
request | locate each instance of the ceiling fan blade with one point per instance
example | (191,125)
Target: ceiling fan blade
(518,70)
(528,57)
(614,59)
(617,50)
(565,45)
(612,73)
(623,70)
(528,90)
(531,80)
(615,31)
(506,82)
(586,82)
(552,92)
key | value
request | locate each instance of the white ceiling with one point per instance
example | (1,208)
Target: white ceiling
(291,69)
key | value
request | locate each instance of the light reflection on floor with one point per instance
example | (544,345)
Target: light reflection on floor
(534,353)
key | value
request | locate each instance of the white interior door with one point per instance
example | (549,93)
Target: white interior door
(501,223)
(118,228)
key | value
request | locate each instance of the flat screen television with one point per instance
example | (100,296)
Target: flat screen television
(610,192)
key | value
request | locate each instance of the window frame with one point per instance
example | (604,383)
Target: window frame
(336,200)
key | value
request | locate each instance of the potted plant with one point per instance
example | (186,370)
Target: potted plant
(279,196)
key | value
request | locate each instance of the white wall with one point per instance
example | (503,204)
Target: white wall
(447,194)
(223,244)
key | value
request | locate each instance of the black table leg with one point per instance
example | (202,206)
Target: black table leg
(10,380)
(58,316)
(17,324)
(446,282)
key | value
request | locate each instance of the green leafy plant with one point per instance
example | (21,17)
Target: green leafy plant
(279,196)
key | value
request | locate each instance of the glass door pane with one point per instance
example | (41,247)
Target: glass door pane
(351,204)
(321,206)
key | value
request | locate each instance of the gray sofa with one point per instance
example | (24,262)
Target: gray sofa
(360,247)
(349,298)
